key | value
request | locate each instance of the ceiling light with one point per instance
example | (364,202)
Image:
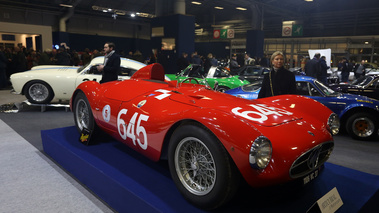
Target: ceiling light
(105,11)
(308,0)
(219,8)
(366,42)
(65,5)
(240,8)
(133,15)
(195,2)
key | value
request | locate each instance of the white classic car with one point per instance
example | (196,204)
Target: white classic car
(45,83)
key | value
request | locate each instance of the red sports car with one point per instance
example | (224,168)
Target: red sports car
(209,138)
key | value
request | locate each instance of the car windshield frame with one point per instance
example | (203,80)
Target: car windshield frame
(363,81)
(326,91)
(252,87)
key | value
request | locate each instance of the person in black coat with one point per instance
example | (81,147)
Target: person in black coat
(279,81)
(111,65)
(323,77)
(313,68)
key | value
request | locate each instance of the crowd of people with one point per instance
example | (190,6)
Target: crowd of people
(234,63)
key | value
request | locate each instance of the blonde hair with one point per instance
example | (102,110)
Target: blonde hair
(276,54)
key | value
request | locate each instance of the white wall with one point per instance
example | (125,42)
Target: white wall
(26,30)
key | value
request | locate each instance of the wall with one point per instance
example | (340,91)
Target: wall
(26,29)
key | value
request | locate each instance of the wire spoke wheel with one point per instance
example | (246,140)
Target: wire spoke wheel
(82,114)
(195,166)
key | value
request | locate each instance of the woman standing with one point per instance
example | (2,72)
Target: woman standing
(278,81)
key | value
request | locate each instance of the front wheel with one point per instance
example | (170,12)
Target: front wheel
(201,168)
(362,126)
(38,92)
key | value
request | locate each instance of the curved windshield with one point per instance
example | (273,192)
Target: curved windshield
(363,81)
(82,68)
(325,89)
(221,72)
(252,87)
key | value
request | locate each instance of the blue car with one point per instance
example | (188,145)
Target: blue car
(358,114)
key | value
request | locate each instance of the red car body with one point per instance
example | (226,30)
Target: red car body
(145,111)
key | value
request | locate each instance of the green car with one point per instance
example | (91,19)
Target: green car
(217,77)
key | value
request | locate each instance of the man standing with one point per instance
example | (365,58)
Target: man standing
(234,66)
(324,71)
(312,68)
(345,70)
(359,69)
(111,65)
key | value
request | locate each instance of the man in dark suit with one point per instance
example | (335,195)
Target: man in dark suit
(111,65)
(313,68)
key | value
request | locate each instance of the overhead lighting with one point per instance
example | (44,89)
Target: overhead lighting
(195,2)
(308,0)
(219,8)
(241,8)
(133,15)
(65,5)
(366,42)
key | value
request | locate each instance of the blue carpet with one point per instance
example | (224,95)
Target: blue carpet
(129,182)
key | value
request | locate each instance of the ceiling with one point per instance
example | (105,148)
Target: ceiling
(319,18)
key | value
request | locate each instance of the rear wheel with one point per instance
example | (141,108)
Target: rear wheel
(362,126)
(38,92)
(201,167)
(83,114)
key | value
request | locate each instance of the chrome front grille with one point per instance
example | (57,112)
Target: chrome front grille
(311,160)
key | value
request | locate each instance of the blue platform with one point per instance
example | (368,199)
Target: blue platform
(129,182)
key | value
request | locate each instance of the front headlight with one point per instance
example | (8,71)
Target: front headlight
(260,153)
(334,124)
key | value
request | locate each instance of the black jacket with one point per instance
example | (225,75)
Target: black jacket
(282,82)
(111,69)
(313,68)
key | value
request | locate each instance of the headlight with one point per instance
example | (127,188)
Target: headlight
(260,153)
(334,124)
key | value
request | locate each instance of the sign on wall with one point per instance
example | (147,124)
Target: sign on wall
(223,33)
(291,29)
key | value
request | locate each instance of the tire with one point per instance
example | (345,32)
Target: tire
(222,88)
(83,114)
(38,92)
(362,126)
(201,168)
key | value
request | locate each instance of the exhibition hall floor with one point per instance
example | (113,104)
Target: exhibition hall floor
(30,181)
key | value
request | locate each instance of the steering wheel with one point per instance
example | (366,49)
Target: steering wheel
(189,79)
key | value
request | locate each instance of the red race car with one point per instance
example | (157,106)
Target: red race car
(209,138)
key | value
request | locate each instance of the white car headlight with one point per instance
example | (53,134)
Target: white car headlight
(334,123)
(260,153)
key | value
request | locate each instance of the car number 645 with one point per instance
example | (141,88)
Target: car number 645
(133,132)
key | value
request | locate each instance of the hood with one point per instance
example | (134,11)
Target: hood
(358,98)
(44,69)
(257,111)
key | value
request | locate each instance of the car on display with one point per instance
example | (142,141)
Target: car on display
(358,114)
(210,139)
(44,83)
(252,72)
(217,77)
(367,85)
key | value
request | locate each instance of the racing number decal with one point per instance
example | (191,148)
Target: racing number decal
(261,113)
(164,95)
(133,131)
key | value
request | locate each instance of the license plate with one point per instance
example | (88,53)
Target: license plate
(311,176)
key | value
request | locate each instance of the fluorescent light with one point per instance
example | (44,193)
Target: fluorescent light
(195,2)
(219,8)
(240,8)
(65,5)
(308,0)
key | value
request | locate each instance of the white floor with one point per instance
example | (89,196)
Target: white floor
(30,182)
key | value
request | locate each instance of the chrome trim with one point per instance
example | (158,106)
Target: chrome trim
(311,160)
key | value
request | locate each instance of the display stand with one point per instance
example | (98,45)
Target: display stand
(129,182)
